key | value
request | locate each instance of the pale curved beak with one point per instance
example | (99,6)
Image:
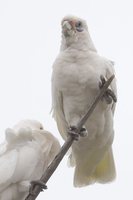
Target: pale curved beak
(69,25)
(72,23)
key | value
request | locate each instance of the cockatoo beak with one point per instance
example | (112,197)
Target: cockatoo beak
(72,23)
(69,25)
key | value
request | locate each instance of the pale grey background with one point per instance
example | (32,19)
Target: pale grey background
(30,37)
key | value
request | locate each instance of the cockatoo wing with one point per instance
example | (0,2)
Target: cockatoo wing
(58,110)
(19,164)
(49,146)
(54,145)
(28,158)
(8,162)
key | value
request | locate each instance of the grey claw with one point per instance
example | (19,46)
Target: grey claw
(103,81)
(109,94)
(34,183)
(83,132)
(73,132)
(112,95)
(108,99)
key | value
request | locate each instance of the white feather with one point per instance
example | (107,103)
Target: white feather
(75,83)
(29,150)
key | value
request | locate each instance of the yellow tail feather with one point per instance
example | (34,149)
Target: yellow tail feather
(103,173)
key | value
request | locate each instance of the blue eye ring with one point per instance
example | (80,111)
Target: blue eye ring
(78,24)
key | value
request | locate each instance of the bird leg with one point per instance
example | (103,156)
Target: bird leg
(109,95)
(75,133)
(34,183)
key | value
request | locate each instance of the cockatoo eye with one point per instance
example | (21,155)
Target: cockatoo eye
(41,128)
(79,26)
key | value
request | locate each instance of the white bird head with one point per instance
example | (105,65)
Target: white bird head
(75,34)
(32,124)
(72,25)
(31,130)
(23,131)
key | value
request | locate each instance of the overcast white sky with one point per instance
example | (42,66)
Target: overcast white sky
(29,42)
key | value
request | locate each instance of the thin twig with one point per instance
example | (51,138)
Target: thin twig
(52,167)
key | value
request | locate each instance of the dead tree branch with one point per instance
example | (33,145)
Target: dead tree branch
(52,167)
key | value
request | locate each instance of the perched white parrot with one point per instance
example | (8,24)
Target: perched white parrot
(75,83)
(24,156)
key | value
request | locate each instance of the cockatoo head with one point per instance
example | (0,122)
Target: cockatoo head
(72,25)
(31,124)
(23,131)
(75,34)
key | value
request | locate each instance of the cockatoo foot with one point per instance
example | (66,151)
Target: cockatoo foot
(109,95)
(34,183)
(73,132)
(83,132)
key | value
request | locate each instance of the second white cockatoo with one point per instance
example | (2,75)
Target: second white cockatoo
(25,155)
(78,74)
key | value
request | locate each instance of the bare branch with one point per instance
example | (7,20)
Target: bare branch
(52,167)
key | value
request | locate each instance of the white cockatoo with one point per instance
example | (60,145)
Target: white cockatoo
(24,156)
(78,74)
